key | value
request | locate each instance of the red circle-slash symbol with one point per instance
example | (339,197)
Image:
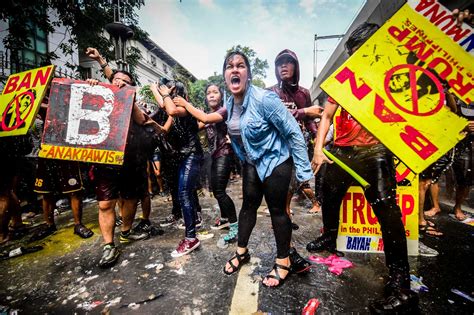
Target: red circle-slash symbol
(19,120)
(406,96)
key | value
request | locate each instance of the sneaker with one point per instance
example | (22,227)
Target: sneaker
(132,236)
(185,247)
(154,231)
(326,241)
(144,226)
(426,251)
(230,237)
(81,230)
(298,263)
(220,224)
(110,254)
(199,220)
(169,220)
(118,221)
(401,301)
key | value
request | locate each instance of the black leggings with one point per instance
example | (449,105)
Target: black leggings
(220,173)
(374,164)
(275,190)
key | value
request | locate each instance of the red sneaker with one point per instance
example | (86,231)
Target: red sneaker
(185,247)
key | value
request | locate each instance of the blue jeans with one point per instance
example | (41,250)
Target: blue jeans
(189,170)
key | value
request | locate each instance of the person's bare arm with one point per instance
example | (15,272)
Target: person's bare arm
(94,54)
(197,113)
(168,124)
(138,115)
(313,112)
(201,125)
(319,158)
(164,92)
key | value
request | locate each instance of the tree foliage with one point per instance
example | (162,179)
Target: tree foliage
(197,95)
(84,20)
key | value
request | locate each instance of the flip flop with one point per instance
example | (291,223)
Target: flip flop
(430,230)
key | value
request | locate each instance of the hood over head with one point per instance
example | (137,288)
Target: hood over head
(296,75)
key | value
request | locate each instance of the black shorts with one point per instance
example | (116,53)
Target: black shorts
(462,165)
(57,176)
(435,170)
(127,182)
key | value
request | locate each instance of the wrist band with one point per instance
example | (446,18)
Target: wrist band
(165,96)
(104,65)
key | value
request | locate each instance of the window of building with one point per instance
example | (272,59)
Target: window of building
(153,60)
(36,53)
(165,68)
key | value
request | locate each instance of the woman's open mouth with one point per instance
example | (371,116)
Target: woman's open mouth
(235,80)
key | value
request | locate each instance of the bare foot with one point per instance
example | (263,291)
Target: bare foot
(315,209)
(270,281)
(460,215)
(432,212)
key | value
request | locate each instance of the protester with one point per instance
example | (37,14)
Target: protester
(298,101)
(189,160)
(428,181)
(60,176)
(13,149)
(268,141)
(221,153)
(128,181)
(144,226)
(463,161)
(362,152)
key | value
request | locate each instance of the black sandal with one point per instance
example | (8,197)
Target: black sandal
(82,231)
(241,258)
(277,275)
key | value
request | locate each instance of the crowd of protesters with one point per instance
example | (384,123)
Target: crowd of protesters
(275,139)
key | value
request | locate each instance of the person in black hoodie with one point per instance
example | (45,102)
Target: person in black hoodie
(298,101)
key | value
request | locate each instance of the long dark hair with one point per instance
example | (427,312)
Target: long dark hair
(233,53)
(360,35)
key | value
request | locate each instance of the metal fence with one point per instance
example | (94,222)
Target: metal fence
(8,67)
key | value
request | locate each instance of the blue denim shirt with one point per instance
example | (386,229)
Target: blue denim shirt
(269,134)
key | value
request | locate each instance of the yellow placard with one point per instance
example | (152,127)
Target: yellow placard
(393,86)
(81,154)
(21,99)
(359,230)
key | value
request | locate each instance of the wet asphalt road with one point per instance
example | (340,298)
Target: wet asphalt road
(63,278)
